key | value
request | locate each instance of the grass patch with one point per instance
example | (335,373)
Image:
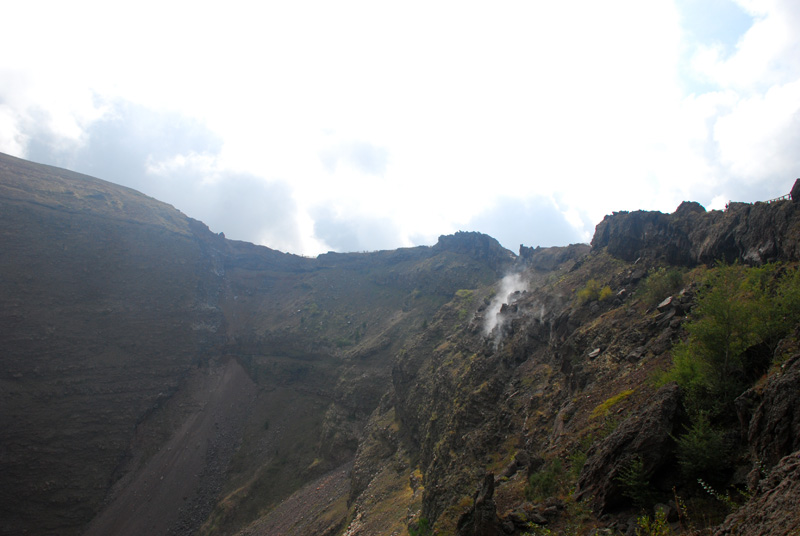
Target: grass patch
(602,409)
(465,294)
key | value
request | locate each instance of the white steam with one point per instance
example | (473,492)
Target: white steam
(509,285)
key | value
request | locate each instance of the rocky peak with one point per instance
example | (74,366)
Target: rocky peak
(690,207)
(478,246)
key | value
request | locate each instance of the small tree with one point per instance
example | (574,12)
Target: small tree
(726,321)
(635,482)
(702,449)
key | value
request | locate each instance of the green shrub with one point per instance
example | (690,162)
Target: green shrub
(786,305)
(686,371)
(737,309)
(635,483)
(594,292)
(725,325)
(420,528)
(545,482)
(702,449)
(725,498)
(657,526)
(602,409)
(537,530)
(576,462)
(660,284)
(465,294)
(589,292)
(605,293)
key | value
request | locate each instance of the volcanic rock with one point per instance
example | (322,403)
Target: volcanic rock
(646,436)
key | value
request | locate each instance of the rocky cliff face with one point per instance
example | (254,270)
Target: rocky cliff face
(753,233)
(557,402)
(158,378)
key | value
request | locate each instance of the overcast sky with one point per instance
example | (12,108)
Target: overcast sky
(351,126)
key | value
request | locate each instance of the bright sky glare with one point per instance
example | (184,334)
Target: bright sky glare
(349,126)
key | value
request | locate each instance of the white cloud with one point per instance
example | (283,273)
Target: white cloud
(265,212)
(413,119)
(534,221)
(760,135)
(767,54)
(12,141)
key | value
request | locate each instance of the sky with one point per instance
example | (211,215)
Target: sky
(314,126)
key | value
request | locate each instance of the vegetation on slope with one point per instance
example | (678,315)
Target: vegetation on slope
(741,314)
(540,402)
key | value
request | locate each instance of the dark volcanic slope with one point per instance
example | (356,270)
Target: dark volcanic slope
(117,315)
(107,302)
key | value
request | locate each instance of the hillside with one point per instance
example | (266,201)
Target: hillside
(161,379)
(119,312)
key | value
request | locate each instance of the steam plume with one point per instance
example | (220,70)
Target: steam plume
(508,286)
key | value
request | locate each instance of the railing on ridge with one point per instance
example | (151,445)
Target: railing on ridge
(781,198)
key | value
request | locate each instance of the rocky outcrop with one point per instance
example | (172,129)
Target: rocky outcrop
(752,233)
(478,246)
(775,426)
(645,437)
(481,519)
(774,438)
(630,235)
(773,510)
